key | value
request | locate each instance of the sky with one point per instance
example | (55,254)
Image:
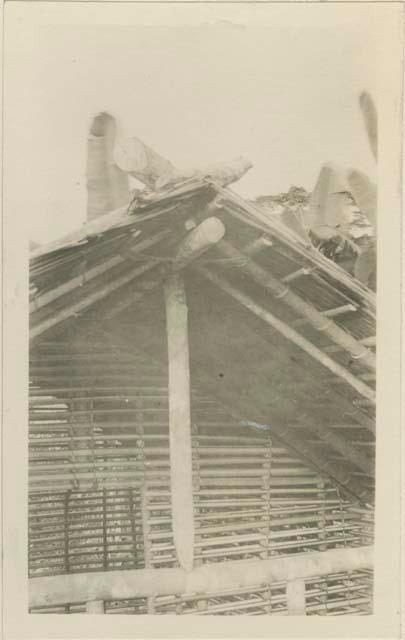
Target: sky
(278,87)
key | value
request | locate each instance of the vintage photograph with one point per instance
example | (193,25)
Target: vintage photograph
(202,315)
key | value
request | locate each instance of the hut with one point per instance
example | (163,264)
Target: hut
(202,396)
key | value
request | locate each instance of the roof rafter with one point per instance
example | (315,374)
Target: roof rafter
(281,291)
(290,334)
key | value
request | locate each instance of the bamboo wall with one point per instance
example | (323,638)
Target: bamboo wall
(100,495)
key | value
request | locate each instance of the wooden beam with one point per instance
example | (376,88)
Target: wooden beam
(196,242)
(181,471)
(130,250)
(281,291)
(199,240)
(304,271)
(117,585)
(254,216)
(82,305)
(329,313)
(290,334)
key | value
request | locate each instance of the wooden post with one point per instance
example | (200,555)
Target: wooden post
(322,514)
(181,470)
(266,499)
(296,598)
(95,606)
(146,542)
(201,603)
(147,550)
(198,241)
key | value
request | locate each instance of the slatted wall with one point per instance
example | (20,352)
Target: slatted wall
(100,494)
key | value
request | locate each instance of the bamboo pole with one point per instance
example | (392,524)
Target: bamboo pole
(254,216)
(39,473)
(280,290)
(121,585)
(199,240)
(89,274)
(304,344)
(120,452)
(181,471)
(78,307)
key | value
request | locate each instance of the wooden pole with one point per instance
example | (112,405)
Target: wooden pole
(208,578)
(281,291)
(290,333)
(296,598)
(95,606)
(181,472)
(254,216)
(199,240)
(44,299)
(79,307)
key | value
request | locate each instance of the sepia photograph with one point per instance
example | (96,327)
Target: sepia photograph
(200,198)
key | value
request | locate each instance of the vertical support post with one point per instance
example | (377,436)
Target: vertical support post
(202,602)
(266,466)
(147,547)
(181,470)
(267,510)
(147,551)
(296,598)
(105,543)
(267,598)
(322,495)
(132,515)
(66,525)
(79,426)
(95,606)
(323,584)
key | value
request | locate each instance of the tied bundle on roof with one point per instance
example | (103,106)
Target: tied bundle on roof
(331,219)
(226,173)
(143,163)
(328,204)
(364,192)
